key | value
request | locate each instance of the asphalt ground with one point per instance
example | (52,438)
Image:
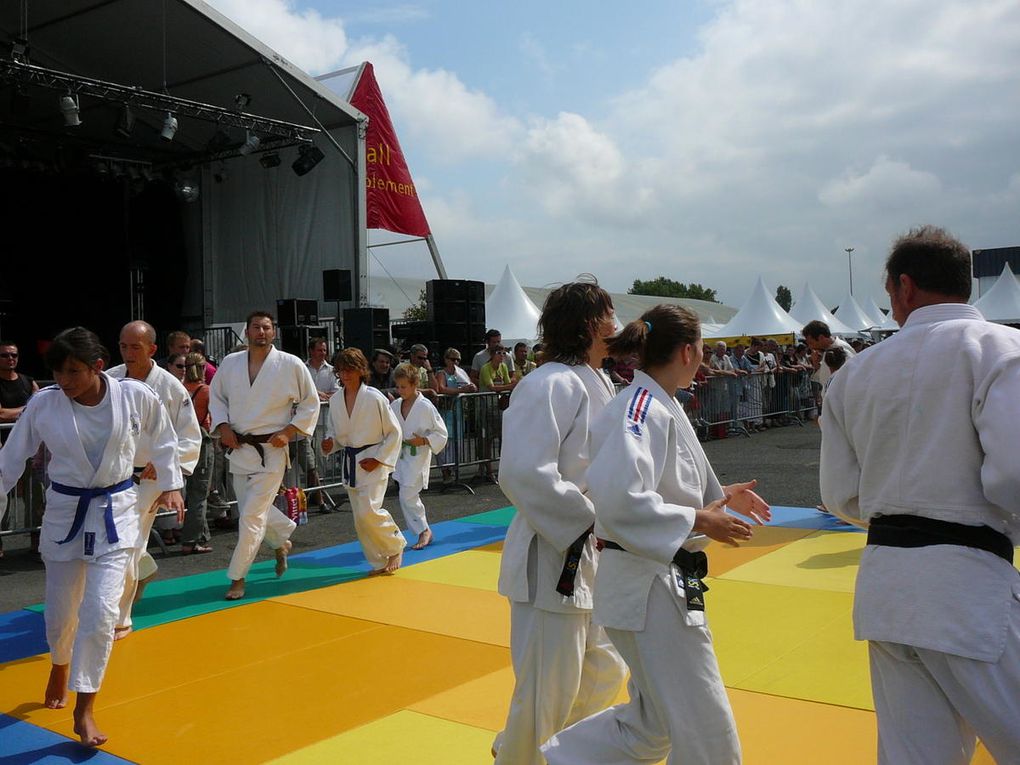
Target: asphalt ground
(784,460)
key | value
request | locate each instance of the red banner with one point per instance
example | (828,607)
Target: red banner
(392,199)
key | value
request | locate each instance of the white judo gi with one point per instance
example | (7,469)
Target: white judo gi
(174,397)
(926,424)
(85,569)
(370,430)
(282,394)
(564,665)
(648,477)
(412,468)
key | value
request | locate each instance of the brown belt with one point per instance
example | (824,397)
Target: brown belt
(255,441)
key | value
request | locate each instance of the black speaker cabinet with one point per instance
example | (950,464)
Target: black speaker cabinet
(295,339)
(295,312)
(366,329)
(456,301)
(336,285)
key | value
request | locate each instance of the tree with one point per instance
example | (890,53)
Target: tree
(660,286)
(418,311)
(783,297)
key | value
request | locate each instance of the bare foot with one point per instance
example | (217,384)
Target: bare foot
(393,562)
(56,688)
(424,540)
(119,633)
(281,558)
(236,591)
(140,587)
(87,730)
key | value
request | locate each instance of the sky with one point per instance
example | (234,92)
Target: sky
(707,141)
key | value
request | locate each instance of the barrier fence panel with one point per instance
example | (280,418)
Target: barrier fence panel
(24,503)
(722,405)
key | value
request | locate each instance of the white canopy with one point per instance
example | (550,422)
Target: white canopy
(510,310)
(852,315)
(760,315)
(1002,302)
(809,308)
(876,313)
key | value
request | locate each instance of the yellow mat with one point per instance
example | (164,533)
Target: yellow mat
(767,539)
(442,609)
(472,568)
(404,737)
(823,560)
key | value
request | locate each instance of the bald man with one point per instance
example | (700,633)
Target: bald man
(137,348)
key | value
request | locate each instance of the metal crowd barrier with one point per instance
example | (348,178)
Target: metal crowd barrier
(722,406)
(26,501)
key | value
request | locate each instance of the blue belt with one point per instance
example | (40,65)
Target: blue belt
(85,497)
(349,464)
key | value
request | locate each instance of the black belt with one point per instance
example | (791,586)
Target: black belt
(565,586)
(918,531)
(694,568)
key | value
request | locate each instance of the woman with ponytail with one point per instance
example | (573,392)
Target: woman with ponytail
(657,504)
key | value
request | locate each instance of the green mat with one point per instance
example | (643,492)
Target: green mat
(167,600)
(500,517)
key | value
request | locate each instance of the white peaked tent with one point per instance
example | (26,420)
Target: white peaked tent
(760,315)
(1001,303)
(852,315)
(511,311)
(875,312)
(809,308)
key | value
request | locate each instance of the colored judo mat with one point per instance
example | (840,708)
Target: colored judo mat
(327,665)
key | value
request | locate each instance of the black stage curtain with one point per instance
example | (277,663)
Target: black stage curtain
(70,242)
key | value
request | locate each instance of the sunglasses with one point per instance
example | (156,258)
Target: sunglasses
(8,355)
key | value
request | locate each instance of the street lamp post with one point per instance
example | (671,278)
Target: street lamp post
(850,264)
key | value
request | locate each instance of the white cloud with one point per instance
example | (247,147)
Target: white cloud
(434,108)
(304,36)
(887,183)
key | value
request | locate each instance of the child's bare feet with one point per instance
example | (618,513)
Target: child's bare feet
(85,724)
(236,591)
(281,558)
(56,688)
(119,633)
(393,562)
(142,584)
(424,540)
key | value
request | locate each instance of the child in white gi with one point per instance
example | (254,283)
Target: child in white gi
(424,434)
(93,425)
(363,428)
(657,501)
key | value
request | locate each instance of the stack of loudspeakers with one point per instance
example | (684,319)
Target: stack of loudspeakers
(367,329)
(299,322)
(456,310)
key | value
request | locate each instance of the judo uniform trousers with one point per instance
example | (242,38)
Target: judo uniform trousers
(648,477)
(564,665)
(175,399)
(924,424)
(87,542)
(370,430)
(282,394)
(412,469)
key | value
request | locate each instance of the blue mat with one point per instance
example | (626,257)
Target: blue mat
(22,743)
(807,518)
(22,634)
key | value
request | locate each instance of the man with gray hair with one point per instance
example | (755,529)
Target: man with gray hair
(137,348)
(419,358)
(923,452)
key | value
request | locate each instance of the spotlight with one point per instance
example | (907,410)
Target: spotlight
(169,127)
(126,122)
(309,156)
(69,108)
(19,50)
(241,100)
(187,191)
(270,160)
(251,143)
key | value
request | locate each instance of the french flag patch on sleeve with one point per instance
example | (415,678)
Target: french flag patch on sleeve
(638,410)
